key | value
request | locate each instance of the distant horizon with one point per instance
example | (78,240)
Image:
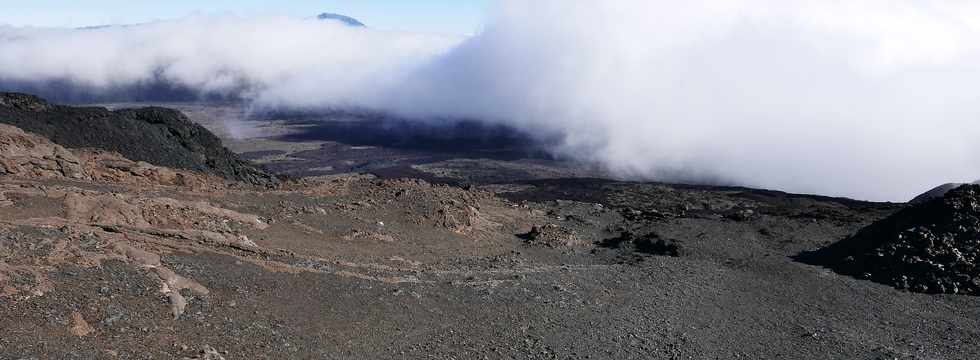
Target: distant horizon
(699,91)
(435,16)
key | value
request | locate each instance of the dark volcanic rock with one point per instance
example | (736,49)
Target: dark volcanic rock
(159,136)
(931,247)
(937,192)
(647,244)
(23,102)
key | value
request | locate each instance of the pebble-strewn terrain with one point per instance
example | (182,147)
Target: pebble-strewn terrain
(104,257)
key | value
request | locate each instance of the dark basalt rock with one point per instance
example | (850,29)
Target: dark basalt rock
(23,102)
(159,136)
(932,247)
(650,244)
(937,192)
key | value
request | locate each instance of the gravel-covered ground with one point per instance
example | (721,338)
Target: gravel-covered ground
(360,266)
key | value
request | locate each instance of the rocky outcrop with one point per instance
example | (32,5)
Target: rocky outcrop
(937,192)
(650,244)
(23,102)
(157,136)
(933,247)
(25,154)
(113,168)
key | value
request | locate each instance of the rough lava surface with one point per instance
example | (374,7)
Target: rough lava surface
(932,247)
(159,136)
(937,192)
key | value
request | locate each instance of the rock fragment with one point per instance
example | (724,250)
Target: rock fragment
(650,244)
(79,327)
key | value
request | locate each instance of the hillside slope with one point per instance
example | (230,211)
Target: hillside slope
(102,257)
(159,136)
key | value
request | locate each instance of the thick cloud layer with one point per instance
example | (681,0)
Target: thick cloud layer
(868,99)
(222,56)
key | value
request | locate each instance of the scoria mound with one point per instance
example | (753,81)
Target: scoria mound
(158,136)
(932,247)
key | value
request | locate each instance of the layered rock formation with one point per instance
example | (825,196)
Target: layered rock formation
(157,136)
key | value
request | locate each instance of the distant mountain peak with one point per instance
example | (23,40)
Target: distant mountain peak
(342,18)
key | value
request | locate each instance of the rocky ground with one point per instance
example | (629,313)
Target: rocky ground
(341,142)
(156,135)
(103,257)
(932,247)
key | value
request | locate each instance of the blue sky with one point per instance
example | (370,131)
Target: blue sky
(447,16)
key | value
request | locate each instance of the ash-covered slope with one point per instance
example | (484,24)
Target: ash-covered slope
(155,135)
(937,192)
(933,247)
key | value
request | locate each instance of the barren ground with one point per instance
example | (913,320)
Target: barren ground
(494,257)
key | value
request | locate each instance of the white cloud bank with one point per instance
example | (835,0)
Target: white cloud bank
(867,99)
(220,55)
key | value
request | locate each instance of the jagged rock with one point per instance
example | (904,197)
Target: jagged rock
(932,247)
(159,136)
(23,102)
(553,236)
(207,353)
(937,192)
(27,154)
(651,244)
(79,327)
